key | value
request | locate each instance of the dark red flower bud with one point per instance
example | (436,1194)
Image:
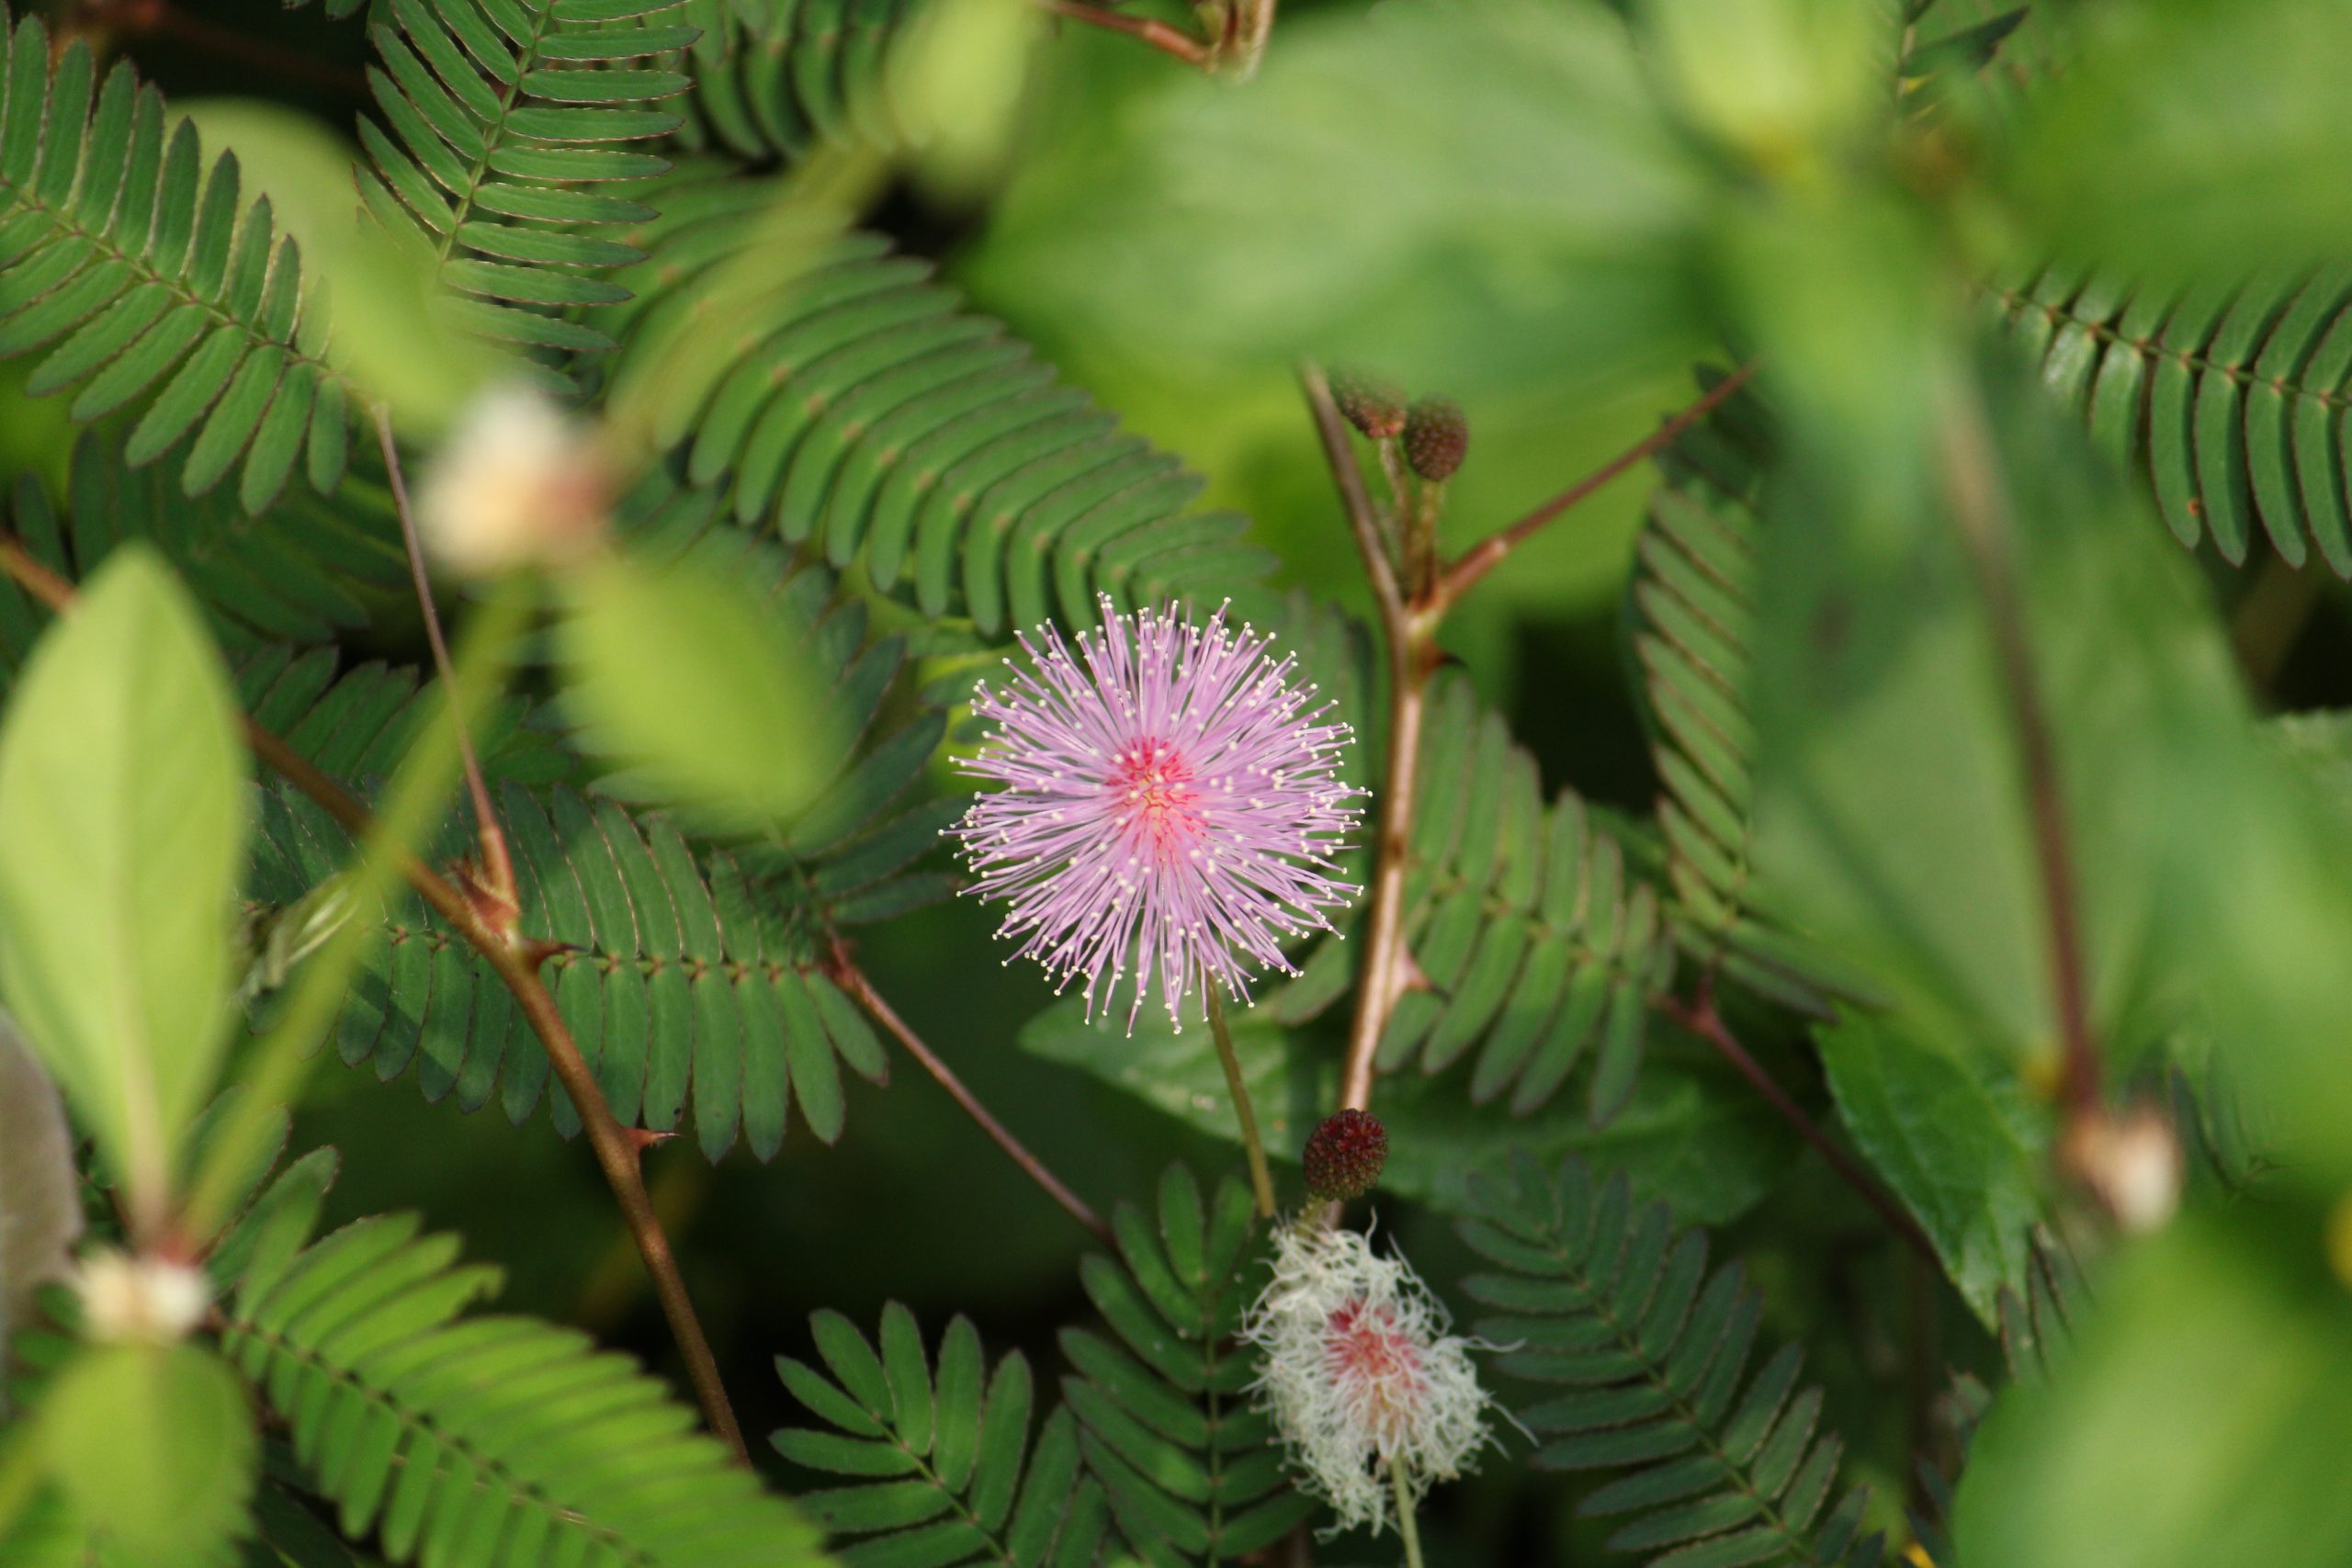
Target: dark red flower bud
(1436,438)
(1371,405)
(1344,1155)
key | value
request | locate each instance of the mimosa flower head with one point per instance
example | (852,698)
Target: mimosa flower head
(1171,805)
(1361,1374)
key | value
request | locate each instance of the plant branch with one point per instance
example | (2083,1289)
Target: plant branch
(517,964)
(1409,636)
(498,865)
(852,979)
(1161,35)
(1702,1019)
(1261,1180)
(1483,556)
(1407,1528)
(1979,510)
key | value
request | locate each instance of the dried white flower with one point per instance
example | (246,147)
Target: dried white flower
(143,1300)
(1361,1374)
(517,484)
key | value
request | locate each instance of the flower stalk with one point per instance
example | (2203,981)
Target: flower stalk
(1261,1182)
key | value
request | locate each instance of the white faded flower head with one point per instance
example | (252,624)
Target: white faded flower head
(140,1301)
(518,482)
(1360,1373)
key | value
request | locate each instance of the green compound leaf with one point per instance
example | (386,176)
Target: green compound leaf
(937,1453)
(453,1437)
(136,271)
(1649,1356)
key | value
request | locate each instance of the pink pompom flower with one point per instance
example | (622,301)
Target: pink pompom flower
(1171,806)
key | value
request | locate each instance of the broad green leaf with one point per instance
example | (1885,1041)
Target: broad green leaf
(392,331)
(676,670)
(1775,80)
(40,1197)
(1958,1139)
(155,1448)
(2200,1418)
(1332,208)
(1691,1134)
(124,820)
(2192,135)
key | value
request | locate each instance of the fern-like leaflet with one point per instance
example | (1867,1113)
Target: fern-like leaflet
(1653,1352)
(461,1440)
(775,79)
(946,1474)
(139,269)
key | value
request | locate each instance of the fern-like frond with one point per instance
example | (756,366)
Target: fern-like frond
(501,121)
(854,402)
(2228,396)
(945,1473)
(775,78)
(135,268)
(1539,944)
(1721,1468)
(1165,1420)
(453,1439)
(1690,612)
(689,979)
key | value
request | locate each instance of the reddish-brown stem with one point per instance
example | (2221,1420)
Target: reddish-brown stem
(1162,36)
(1700,1019)
(160,16)
(845,973)
(1980,511)
(498,866)
(1483,556)
(516,966)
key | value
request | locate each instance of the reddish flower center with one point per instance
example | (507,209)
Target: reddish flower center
(1151,790)
(1376,1363)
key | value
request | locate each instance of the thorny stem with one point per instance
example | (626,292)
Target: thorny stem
(1409,636)
(845,973)
(1981,514)
(1161,35)
(498,865)
(517,964)
(1483,556)
(1406,1525)
(1261,1182)
(1701,1018)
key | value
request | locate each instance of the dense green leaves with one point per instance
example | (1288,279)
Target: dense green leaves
(144,279)
(823,389)
(944,1471)
(775,79)
(122,830)
(1650,1352)
(457,1439)
(2226,396)
(1165,1424)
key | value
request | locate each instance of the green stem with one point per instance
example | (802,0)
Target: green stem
(1406,1525)
(1260,1177)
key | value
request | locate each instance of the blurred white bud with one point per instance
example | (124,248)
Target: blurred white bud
(141,1299)
(518,482)
(1360,1374)
(2134,1163)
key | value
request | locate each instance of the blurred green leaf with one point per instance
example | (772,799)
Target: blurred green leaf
(1456,191)
(1957,1138)
(1783,82)
(2201,1418)
(123,820)
(677,671)
(2192,135)
(154,1446)
(391,328)
(41,1193)
(1692,1135)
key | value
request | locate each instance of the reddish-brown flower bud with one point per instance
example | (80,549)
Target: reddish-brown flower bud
(1344,1155)
(1436,438)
